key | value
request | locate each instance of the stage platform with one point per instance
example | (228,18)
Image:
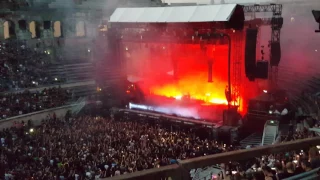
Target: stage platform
(170,117)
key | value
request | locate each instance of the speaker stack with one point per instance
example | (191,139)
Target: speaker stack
(259,69)
(262,69)
(230,117)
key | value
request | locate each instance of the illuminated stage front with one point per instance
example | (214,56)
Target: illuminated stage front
(182,107)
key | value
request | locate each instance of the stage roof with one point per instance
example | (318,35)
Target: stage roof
(183,14)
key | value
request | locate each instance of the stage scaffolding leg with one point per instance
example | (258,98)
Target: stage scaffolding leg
(276,25)
(273,76)
(236,65)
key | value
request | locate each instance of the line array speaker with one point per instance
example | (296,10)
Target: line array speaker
(250,53)
(275,54)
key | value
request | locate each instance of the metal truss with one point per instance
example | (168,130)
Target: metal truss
(275,8)
(236,65)
(257,22)
(275,21)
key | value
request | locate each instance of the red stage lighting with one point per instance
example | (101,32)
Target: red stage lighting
(189,62)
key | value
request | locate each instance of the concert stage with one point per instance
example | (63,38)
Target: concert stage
(199,55)
(198,52)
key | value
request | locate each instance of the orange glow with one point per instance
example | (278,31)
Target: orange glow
(196,87)
(155,64)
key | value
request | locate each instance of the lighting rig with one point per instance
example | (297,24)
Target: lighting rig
(276,22)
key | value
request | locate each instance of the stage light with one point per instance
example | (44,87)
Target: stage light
(178,97)
(48,52)
(292,19)
(56,79)
(265,91)
(89,50)
(127,48)
(31,130)
(138,106)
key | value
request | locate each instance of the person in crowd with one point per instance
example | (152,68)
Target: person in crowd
(268,173)
(280,173)
(290,169)
(314,157)
(306,165)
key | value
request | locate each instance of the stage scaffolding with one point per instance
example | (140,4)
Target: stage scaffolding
(275,22)
(237,60)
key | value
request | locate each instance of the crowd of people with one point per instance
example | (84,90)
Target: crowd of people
(27,102)
(22,67)
(88,147)
(274,166)
(277,166)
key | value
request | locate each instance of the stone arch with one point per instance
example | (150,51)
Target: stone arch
(80,29)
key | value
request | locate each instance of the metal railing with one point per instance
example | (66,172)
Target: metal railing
(180,171)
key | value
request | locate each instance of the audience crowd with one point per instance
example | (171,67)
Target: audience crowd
(90,147)
(94,147)
(27,102)
(22,67)
(276,166)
